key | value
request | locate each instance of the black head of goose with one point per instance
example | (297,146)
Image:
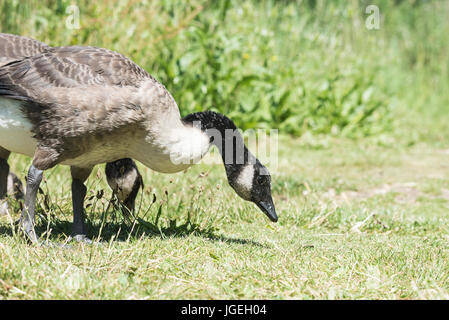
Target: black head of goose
(81,106)
(122,175)
(125,180)
(246,175)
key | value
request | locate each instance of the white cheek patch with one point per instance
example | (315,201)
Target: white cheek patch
(124,184)
(244,183)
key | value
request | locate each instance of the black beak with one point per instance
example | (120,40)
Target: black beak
(268,208)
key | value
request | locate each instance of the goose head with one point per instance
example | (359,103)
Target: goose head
(125,180)
(249,178)
(252,182)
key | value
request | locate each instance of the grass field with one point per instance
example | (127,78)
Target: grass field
(357,220)
(362,183)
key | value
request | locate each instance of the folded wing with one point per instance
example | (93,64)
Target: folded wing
(67,67)
(13,47)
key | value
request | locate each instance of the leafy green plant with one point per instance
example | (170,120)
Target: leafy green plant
(298,66)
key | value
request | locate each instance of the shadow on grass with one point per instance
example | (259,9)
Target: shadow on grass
(6,229)
(121,231)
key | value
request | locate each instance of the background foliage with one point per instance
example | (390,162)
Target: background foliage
(293,65)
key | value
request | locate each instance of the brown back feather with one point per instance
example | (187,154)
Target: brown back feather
(14,47)
(66,67)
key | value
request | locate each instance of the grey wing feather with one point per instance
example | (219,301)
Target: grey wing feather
(114,68)
(66,67)
(14,47)
(11,75)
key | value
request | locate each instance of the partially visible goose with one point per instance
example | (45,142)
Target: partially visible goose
(81,106)
(122,175)
(11,48)
(125,180)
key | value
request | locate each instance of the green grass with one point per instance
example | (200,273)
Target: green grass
(357,220)
(362,186)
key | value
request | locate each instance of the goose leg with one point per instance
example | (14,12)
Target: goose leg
(79,230)
(26,221)
(4,171)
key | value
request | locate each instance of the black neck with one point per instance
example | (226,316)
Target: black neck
(224,135)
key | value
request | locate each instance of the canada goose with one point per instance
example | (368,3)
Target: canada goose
(121,175)
(80,106)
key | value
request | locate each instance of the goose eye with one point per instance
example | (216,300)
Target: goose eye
(260,179)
